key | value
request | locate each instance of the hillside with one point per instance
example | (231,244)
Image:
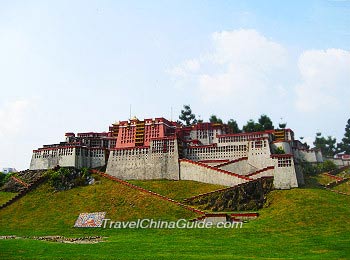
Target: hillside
(306,223)
(177,190)
(50,211)
(5,196)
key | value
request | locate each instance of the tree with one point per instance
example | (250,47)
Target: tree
(282,125)
(327,145)
(215,119)
(251,126)
(266,122)
(233,126)
(345,144)
(186,116)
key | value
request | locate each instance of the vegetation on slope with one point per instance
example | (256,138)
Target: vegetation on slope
(46,211)
(6,196)
(177,190)
(304,223)
(343,187)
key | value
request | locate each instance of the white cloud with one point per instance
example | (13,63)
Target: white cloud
(325,78)
(12,116)
(244,68)
(189,66)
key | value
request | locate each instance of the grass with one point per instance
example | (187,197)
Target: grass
(6,196)
(344,174)
(177,190)
(324,179)
(304,223)
(343,187)
(46,212)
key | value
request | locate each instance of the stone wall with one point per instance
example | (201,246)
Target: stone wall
(145,163)
(285,176)
(245,196)
(239,166)
(68,157)
(190,170)
(265,172)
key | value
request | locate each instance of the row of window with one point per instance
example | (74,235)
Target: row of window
(238,138)
(259,144)
(140,156)
(229,148)
(209,156)
(284,162)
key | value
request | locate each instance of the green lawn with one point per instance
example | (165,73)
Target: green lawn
(177,190)
(304,223)
(6,196)
(344,187)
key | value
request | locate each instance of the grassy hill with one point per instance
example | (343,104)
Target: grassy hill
(6,196)
(304,223)
(45,211)
(177,190)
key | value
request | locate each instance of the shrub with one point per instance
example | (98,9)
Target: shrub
(327,166)
(4,178)
(67,178)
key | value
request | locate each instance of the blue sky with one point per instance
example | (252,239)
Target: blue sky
(78,65)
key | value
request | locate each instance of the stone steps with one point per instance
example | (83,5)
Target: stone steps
(24,191)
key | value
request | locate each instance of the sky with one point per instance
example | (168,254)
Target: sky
(78,66)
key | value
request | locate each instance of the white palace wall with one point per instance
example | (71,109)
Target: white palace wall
(78,157)
(160,161)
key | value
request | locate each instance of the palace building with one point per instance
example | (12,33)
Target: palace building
(162,149)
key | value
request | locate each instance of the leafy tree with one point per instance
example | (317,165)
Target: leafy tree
(282,125)
(345,144)
(252,126)
(266,122)
(215,119)
(327,145)
(233,126)
(186,116)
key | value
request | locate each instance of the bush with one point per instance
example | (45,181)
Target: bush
(67,178)
(327,166)
(4,178)
(311,169)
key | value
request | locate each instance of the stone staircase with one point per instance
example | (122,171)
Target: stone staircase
(214,168)
(27,188)
(261,173)
(230,162)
